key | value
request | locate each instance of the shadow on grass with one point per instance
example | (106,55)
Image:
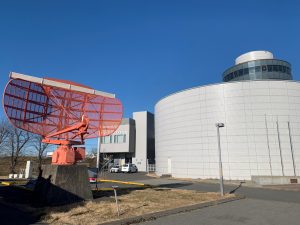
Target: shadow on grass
(175,185)
(13,206)
(104,195)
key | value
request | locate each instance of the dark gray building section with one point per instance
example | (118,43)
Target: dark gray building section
(150,138)
(132,134)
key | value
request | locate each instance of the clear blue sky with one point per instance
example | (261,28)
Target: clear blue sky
(142,50)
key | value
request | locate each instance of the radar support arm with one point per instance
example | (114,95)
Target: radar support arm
(81,129)
(65,154)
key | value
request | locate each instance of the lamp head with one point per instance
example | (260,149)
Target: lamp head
(220,125)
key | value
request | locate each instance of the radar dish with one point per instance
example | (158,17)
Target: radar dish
(45,106)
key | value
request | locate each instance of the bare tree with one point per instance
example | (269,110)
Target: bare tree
(17,141)
(40,148)
(4,131)
(93,152)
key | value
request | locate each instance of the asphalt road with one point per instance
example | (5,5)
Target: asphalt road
(246,212)
(126,176)
(250,192)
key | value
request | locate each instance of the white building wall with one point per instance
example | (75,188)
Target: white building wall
(140,158)
(186,136)
(117,147)
(127,130)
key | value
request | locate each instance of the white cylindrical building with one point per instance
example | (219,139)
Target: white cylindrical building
(261,136)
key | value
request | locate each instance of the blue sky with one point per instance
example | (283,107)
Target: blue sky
(142,50)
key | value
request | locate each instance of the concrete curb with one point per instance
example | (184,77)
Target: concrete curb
(13,182)
(154,216)
(6,183)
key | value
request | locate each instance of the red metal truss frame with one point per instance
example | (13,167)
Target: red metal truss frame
(44,110)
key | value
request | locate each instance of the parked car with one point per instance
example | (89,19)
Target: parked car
(129,168)
(115,169)
(92,172)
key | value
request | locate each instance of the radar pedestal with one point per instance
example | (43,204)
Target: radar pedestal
(63,184)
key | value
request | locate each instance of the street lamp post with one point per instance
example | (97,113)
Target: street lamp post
(98,153)
(218,125)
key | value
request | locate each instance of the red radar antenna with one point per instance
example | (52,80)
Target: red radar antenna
(62,112)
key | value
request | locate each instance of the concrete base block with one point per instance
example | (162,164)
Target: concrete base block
(61,184)
(275,180)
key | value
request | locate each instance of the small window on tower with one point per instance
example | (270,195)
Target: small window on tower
(270,68)
(241,72)
(275,68)
(257,69)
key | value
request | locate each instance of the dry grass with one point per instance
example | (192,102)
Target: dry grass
(136,203)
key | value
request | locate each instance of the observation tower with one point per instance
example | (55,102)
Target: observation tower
(258,65)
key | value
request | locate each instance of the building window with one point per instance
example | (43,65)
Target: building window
(275,68)
(270,68)
(235,73)
(264,68)
(251,70)
(106,140)
(120,138)
(257,69)
(280,68)
(241,72)
(246,71)
(284,69)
